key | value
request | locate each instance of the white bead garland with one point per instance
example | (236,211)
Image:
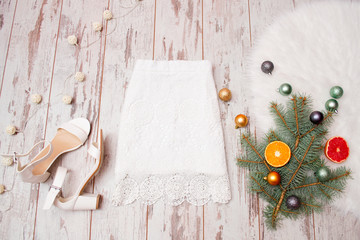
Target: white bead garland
(11,130)
(36,98)
(67,99)
(97,26)
(107,15)
(72,40)
(7,161)
(79,76)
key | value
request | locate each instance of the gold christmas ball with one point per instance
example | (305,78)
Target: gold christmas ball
(225,94)
(273,178)
(241,121)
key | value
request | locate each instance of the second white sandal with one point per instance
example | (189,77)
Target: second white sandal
(80,200)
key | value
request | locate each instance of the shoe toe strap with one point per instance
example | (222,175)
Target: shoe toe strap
(55,188)
(75,130)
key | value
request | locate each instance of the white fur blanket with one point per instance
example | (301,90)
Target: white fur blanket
(313,48)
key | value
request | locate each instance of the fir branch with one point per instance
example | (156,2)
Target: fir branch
(311,195)
(310,205)
(302,160)
(316,159)
(282,210)
(305,141)
(327,195)
(254,149)
(263,189)
(347,173)
(288,169)
(303,103)
(277,208)
(274,106)
(329,114)
(322,184)
(273,133)
(249,161)
(296,117)
(296,158)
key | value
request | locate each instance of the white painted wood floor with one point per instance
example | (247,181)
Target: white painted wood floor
(35,57)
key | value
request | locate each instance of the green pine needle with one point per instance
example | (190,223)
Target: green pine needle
(305,140)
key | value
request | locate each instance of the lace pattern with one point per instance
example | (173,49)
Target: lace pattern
(173,190)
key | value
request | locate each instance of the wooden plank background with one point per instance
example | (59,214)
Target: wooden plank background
(36,58)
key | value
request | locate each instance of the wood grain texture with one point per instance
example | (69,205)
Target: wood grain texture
(76,18)
(39,60)
(262,14)
(130,38)
(28,71)
(226,40)
(327,223)
(7,14)
(178,36)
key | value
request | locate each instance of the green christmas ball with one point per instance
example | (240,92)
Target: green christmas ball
(331,105)
(323,174)
(285,89)
(336,92)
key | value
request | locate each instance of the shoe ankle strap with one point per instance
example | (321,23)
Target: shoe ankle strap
(55,188)
(15,156)
(94,151)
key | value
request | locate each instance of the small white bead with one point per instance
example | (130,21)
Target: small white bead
(7,161)
(107,15)
(97,26)
(67,99)
(72,40)
(36,98)
(11,130)
(2,188)
(79,76)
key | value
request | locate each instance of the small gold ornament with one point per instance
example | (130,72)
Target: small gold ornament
(273,178)
(225,94)
(241,121)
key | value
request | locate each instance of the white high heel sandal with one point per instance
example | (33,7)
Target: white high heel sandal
(69,136)
(80,200)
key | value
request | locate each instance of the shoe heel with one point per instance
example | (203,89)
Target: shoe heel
(87,201)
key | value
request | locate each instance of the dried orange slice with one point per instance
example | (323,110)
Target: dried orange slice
(277,154)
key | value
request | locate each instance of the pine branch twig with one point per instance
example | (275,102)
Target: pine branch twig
(274,106)
(297,122)
(329,114)
(254,149)
(249,161)
(263,189)
(295,129)
(276,209)
(317,183)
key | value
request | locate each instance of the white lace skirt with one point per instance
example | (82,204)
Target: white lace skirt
(171,144)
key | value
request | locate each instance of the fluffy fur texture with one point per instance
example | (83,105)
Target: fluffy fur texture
(313,48)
